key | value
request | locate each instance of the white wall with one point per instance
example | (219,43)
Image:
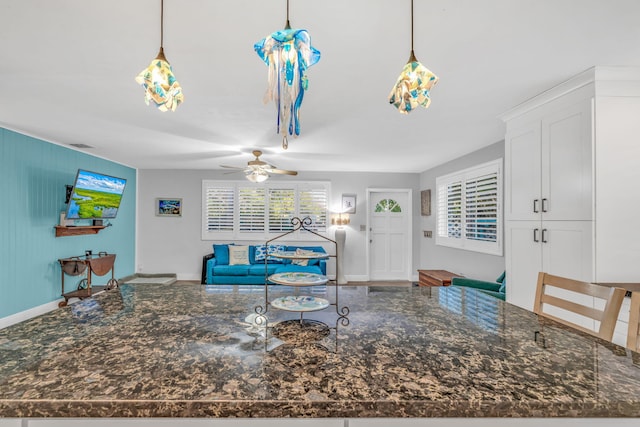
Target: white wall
(470,264)
(174,244)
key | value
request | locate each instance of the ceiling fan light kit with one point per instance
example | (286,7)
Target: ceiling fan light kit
(288,53)
(160,85)
(258,170)
(414,84)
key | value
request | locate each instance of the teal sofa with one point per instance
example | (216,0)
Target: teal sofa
(496,289)
(218,271)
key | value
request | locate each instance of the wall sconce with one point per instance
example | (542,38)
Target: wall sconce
(340,219)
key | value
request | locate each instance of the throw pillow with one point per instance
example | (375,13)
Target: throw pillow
(221,252)
(261,251)
(302,261)
(239,255)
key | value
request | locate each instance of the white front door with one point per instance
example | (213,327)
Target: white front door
(389,238)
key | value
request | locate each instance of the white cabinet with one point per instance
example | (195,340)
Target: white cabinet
(562,248)
(548,170)
(571,182)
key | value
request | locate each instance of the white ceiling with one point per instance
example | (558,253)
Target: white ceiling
(67,71)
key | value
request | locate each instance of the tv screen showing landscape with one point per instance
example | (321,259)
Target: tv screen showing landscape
(95,196)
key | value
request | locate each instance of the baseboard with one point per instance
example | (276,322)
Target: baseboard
(189,277)
(28,314)
(357,278)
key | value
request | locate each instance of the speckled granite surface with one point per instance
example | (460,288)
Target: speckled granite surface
(187,350)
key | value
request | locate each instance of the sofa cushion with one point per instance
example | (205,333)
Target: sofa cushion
(221,252)
(231,270)
(258,269)
(475,283)
(501,278)
(239,255)
(261,252)
(292,268)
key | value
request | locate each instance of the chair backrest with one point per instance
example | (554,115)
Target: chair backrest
(633,334)
(607,317)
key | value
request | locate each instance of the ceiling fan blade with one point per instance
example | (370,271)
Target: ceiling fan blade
(282,171)
(233,167)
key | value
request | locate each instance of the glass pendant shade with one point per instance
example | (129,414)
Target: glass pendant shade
(413,86)
(288,53)
(160,85)
(257,175)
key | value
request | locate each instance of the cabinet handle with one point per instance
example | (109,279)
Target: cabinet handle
(544,205)
(535,206)
(535,235)
(544,235)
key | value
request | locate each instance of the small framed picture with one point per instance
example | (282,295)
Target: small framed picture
(425,202)
(168,207)
(349,203)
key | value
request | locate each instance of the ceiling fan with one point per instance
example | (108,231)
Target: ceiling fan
(257,170)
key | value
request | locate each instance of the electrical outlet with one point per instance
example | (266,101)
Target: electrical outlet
(363,227)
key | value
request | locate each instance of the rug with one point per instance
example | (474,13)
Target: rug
(160,280)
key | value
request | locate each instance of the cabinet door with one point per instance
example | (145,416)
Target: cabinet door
(562,248)
(567,252)
(522,172)
(523,261)
(567,144)
(567,249)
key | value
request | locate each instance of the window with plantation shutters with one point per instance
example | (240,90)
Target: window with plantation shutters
(469,213)
(240,210)
(251,210)
(481,207)
(218,206)
(312,203)
(282,207)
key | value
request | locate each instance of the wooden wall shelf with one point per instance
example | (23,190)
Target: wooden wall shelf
(77,231)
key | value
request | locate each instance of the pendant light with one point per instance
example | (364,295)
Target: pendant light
(288,53)
(413,85)
(160,85)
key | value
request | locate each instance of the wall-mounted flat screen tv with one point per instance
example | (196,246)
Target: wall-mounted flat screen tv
(95,196)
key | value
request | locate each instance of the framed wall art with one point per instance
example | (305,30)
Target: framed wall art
(425,202)
(349,203)
(168,207)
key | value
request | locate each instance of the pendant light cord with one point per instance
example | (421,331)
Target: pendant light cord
(412,57)
(287,25)
(162,24)
(412,26)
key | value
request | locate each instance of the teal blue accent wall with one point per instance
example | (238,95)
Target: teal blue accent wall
(33,175)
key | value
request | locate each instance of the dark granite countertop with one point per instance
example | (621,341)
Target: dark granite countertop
(187,350)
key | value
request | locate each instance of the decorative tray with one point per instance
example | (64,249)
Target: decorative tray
(294,255)
(298,279)
(300,303)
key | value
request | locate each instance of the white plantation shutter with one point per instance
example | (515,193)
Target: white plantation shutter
(282,207)
(251,210)
(469,209)
(481,204)
(218,205)
(312,203)
(240,210)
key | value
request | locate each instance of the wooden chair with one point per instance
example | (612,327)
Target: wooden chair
(633,334)
(612,296)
